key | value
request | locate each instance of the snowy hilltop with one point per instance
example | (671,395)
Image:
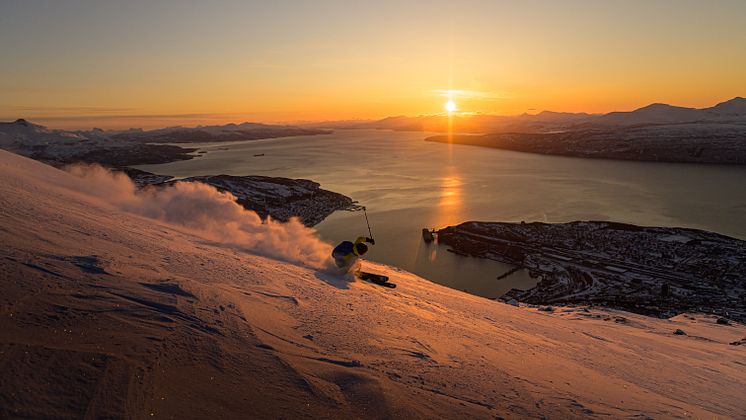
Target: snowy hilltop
(118,302)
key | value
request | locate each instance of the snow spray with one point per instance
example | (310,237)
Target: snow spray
(207,213)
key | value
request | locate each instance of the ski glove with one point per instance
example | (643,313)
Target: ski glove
(370,241)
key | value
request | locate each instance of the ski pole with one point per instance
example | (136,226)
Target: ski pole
(367,223)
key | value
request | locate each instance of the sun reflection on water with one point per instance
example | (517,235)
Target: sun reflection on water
(450,204)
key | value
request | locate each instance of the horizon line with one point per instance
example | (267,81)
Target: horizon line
(221,118)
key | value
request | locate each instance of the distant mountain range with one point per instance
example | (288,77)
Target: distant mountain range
(129,147)
(216,133)
(732,111)
(657,132)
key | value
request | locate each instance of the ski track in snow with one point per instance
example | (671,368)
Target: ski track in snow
(109,313)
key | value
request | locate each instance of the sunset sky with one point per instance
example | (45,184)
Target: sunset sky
(76,64)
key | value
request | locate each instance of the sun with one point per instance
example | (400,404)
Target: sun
(450,106)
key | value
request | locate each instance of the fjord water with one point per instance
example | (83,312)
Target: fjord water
(407,184)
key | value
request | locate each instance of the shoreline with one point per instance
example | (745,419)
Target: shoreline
(721,146)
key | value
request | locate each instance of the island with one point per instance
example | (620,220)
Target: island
(659,271)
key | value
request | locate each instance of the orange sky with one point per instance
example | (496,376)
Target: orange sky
(114,65)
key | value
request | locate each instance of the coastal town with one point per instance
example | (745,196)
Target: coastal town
(649,270)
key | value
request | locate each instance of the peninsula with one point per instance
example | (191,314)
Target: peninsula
(656,271)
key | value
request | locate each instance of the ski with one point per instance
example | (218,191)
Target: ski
(372,276)
(384,284)
(376,279)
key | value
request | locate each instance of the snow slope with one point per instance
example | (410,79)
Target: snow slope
(109,311)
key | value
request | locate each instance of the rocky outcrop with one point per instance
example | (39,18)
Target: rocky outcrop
(279,198)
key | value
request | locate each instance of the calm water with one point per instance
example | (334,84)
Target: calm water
(408,184)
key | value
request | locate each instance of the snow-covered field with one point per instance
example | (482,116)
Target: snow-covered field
(109,308)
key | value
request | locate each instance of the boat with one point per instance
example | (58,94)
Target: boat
(427,235)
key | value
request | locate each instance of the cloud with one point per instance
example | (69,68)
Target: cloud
(128,116)
(64,109)
(470,94)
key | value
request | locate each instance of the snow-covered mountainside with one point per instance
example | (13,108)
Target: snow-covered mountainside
(118,303)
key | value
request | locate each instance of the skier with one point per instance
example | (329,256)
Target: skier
(346,253)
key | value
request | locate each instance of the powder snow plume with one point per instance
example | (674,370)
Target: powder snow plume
(208,213)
